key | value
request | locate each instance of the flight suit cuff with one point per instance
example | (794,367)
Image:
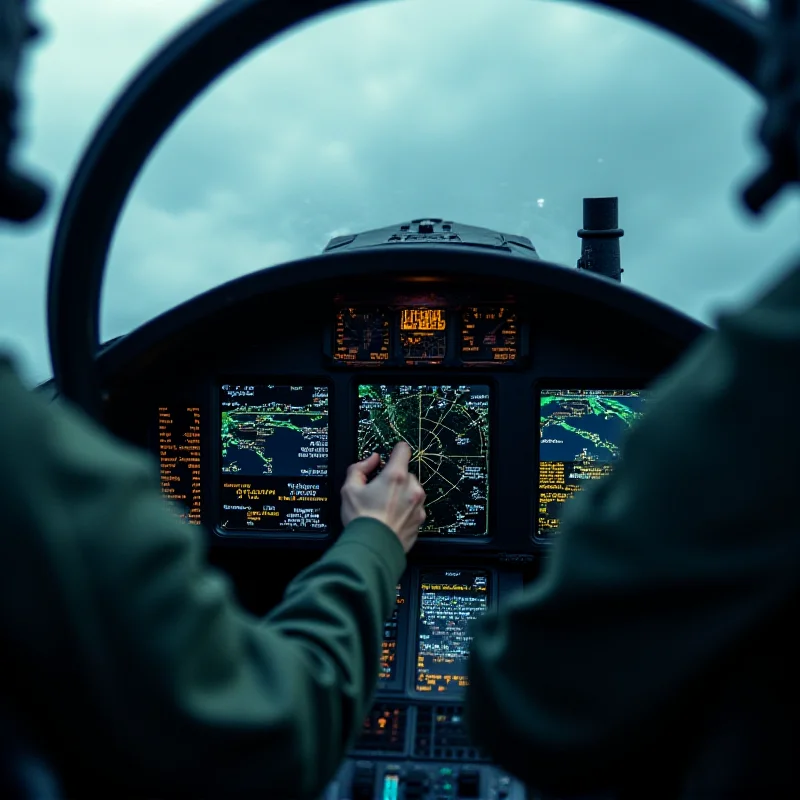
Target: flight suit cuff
(379,539)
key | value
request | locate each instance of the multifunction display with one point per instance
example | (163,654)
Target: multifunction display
(423,335)
(274,452)
(418,335)
(179,459)
(362,336)
(447,428)
(581,431)
(449,600)
(489,335)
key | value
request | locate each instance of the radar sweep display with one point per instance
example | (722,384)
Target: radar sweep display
(274,450)
(447,429)
(581,431)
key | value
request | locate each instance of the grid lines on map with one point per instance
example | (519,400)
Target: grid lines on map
(447,429)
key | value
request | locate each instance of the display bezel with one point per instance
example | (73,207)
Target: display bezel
(625,383)
(449,379)
(491,601)
(276,380)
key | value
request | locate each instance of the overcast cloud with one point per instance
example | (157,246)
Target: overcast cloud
(502,114)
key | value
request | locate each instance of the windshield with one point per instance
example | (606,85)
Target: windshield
(503,115)
(758,8)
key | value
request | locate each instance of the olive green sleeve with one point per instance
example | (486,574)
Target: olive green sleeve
(134,656)
(661,569)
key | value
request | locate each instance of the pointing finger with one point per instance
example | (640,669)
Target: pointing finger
(398,461)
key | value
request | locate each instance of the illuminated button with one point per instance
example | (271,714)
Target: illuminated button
(445,771)
(391,785)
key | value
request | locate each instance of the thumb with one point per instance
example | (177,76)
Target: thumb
(359,472)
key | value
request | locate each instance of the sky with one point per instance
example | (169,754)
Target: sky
(503,114)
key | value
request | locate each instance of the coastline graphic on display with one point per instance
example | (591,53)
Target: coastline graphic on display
(581,433)
(274,452)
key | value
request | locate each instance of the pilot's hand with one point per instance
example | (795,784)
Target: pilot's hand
(394,497)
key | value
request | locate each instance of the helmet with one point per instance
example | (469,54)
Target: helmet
(21,198)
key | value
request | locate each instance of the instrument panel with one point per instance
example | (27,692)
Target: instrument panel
(270,444)
(426,335)
(426,640)
(415,736)
(511,405)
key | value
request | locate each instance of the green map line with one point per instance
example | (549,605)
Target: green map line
(606,407)
(594,438)
(429,452)
(419,452)
(230,424)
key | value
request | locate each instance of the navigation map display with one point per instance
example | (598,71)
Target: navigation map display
(449,600)
(447,428)
(581,431)
(274,448)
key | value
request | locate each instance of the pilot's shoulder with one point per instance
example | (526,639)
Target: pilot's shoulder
(18,403)
(36,431)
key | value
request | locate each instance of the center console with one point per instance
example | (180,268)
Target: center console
(414,743)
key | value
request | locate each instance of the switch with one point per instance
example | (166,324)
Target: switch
(363,787)
(469,782)
(503,787)
(417,784)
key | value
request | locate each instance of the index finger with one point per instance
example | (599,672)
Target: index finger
(398,461)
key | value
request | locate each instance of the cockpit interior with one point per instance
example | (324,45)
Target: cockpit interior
(475,357)
(513,380)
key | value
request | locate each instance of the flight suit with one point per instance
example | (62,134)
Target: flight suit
(658,648)
(129,656)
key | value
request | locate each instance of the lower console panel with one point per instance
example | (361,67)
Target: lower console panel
(414,780)
(419,751)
